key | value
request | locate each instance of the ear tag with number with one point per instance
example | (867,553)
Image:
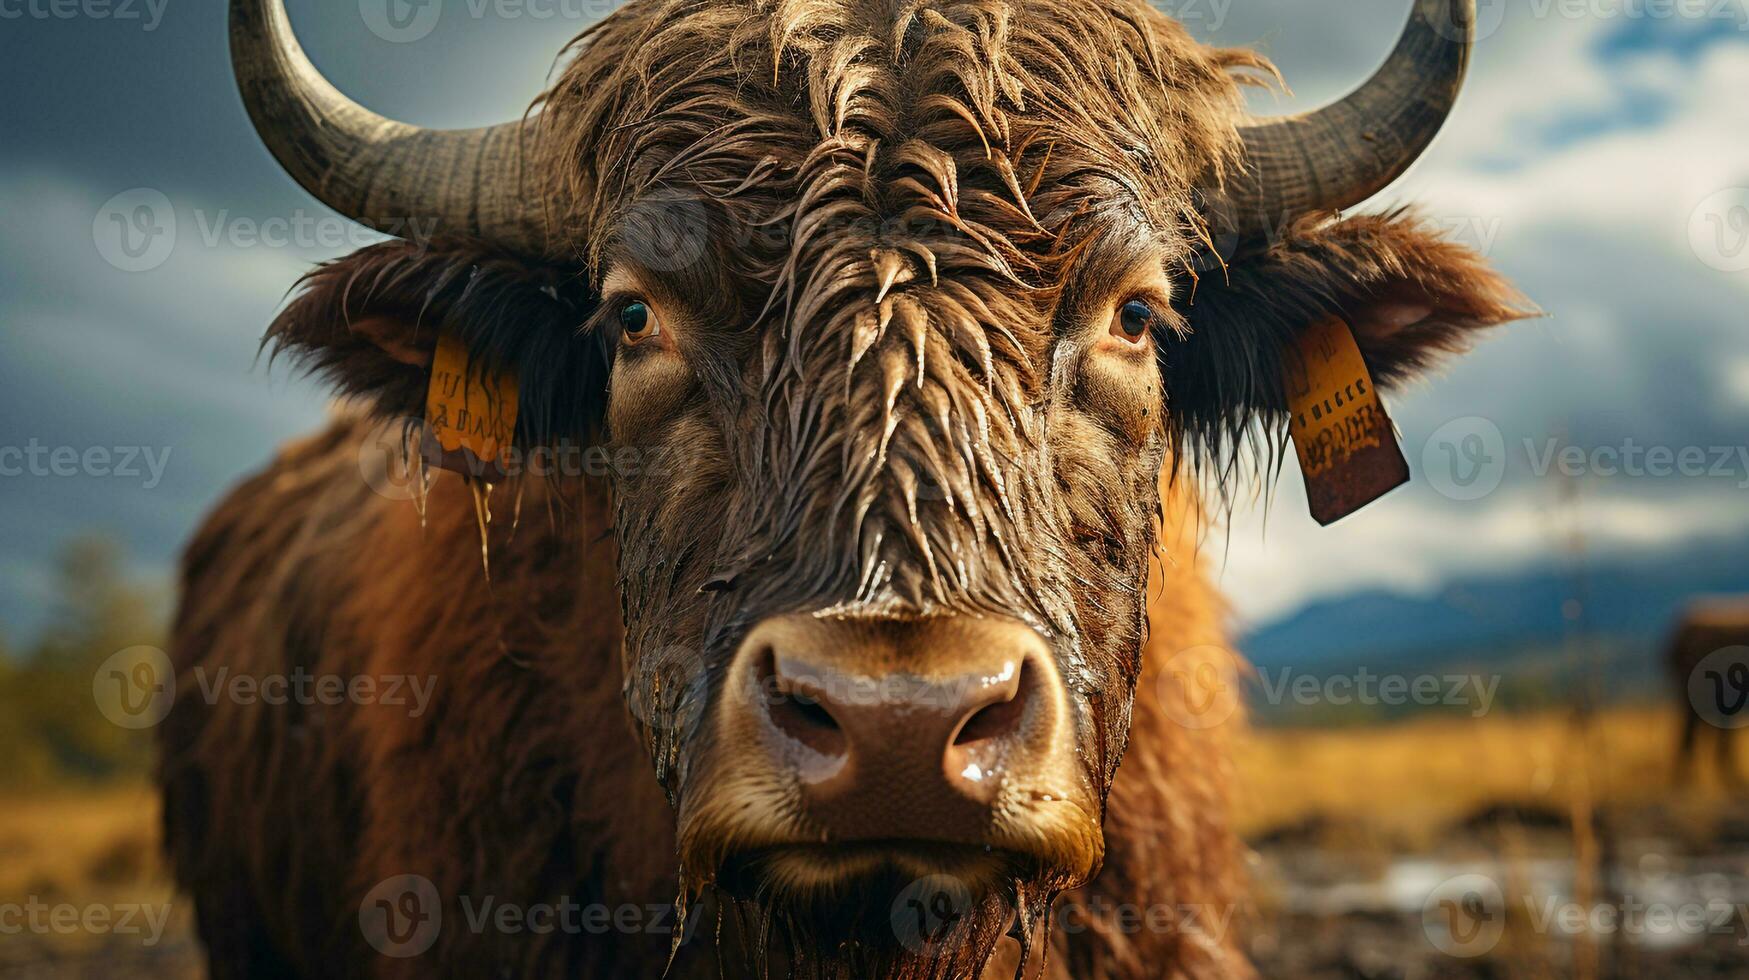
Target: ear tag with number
(471,417)
(1347,447)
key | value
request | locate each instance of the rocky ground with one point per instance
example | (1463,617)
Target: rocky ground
(1503,895)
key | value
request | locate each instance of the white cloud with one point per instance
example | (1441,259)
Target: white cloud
(1736,380)
(1642,335)
(1643,182)
(1412,542)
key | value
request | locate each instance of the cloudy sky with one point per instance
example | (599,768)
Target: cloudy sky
(1600,156)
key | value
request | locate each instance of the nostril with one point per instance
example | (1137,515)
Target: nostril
(809,712)
(1001,719)
(993,721)
(796,713)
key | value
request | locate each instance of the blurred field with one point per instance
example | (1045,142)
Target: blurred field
(1351,827)
(1435,770)
(74,853)
(1584,848)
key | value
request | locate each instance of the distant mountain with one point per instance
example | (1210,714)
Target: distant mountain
(1629,600)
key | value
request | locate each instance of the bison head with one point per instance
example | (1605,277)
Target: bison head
(892,315)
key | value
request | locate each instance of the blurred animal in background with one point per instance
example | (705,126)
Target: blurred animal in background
(908,328)
(1708,661)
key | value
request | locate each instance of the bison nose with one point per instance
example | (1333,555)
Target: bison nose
(901,730)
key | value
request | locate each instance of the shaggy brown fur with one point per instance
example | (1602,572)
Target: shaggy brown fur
(891,228)
(1713,699)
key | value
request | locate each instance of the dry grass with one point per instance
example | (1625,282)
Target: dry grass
(1413,778)
(68,844)
(1430,771)
(92,850)
(1389,789)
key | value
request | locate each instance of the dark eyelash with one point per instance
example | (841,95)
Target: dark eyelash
(605,318)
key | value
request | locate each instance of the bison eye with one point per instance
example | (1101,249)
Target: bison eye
(637,323)
(1133,321)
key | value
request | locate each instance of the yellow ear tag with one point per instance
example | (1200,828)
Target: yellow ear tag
(471,417)
(1347,446)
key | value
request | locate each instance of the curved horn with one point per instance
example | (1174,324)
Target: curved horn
(1335,157)
(388,175)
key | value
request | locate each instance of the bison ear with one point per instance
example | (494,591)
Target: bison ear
(1409,296)
(370,322)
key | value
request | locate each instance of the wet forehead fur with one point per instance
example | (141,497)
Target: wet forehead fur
(818,105)
(901,198)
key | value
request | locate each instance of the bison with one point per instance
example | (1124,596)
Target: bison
(1708,661)
(914,339)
